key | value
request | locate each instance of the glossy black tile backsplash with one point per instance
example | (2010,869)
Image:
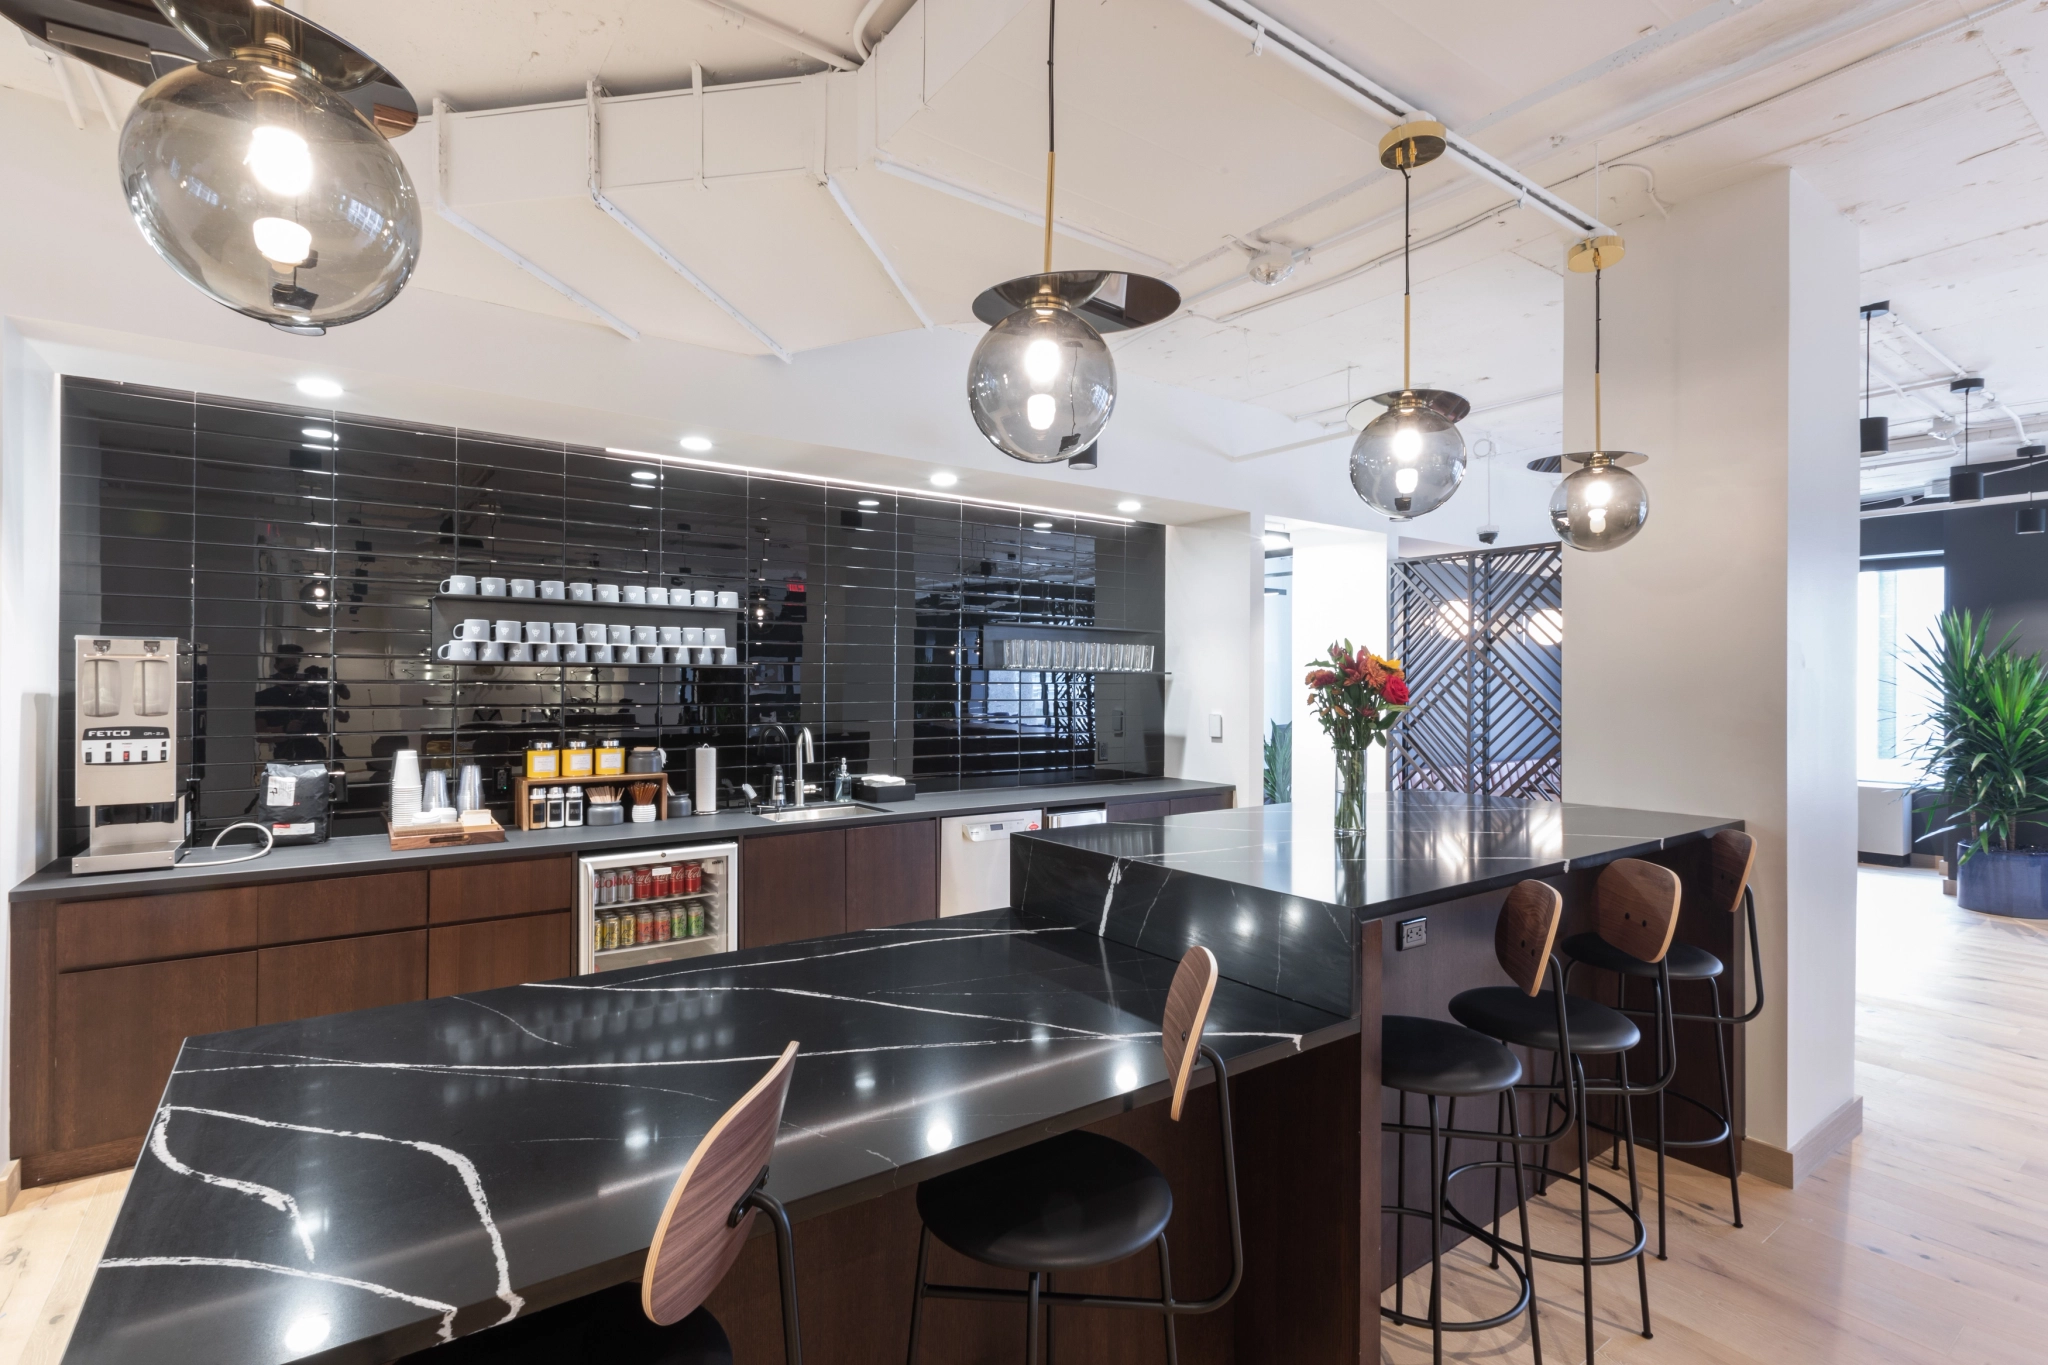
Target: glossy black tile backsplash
(298,550)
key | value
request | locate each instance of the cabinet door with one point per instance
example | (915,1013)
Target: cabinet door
(1182,805)
(792,886)
(1140,810)
(892,873)
(529,886)
(332,907)
(119,1029)
(485,954)
(306,979)
(107,933)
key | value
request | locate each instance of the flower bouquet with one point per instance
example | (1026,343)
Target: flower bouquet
(1357,696)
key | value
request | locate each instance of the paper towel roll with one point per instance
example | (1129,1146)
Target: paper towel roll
(705,797)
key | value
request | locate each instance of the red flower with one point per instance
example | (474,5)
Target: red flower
(1396,690)
(1322,677)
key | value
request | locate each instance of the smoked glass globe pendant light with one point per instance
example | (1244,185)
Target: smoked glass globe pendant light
(1409,459)
(1042,384)
(252,175)
(1599,505)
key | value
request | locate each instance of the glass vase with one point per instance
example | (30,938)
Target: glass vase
(1349,812)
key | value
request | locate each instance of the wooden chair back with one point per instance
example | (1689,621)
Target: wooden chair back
(697,1240)
(1187,1012)
(1526,931)
(1635,907)
(1731,858)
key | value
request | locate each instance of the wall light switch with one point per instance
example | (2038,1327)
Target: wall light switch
(1216,727)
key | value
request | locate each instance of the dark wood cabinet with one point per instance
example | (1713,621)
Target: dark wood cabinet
(1183,805)
(1139,810)
(892,873)
(529,886)
(146,928)
(304,979)
(120,1029)
(792,886)
(482,955)
(294,912)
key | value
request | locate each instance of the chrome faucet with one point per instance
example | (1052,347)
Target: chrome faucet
(804,753)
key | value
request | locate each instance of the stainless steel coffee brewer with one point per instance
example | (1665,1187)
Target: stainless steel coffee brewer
(126,756)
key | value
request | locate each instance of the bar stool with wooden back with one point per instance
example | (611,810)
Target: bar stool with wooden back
(1731,858)
(662,1319)
(1080,1199)
(1440,1060)
(1635,905)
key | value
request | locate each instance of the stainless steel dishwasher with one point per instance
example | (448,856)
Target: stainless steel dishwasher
(974,859)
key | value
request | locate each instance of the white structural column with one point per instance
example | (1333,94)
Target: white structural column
(1215,589)
(1709,663)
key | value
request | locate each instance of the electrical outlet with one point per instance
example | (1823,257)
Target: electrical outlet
(1414,934)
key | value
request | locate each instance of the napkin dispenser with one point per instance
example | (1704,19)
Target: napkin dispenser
(881,787)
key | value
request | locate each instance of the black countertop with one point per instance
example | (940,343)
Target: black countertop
(345,1186)
(373,852)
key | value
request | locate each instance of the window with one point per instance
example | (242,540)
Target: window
(1896,610)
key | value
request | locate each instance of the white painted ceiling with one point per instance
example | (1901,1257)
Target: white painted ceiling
(1180,138)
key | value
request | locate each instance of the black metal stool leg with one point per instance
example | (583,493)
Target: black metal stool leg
(1620,1004)
(1436,1240)
(1048,1319)
(924,1248)
(1635,1204)
(1578,1072)
(1031,1322)
(1727,1107)
(1500,1121)
(1661,1247)
(1401,1197)
(1514,1125)
(1166,1296)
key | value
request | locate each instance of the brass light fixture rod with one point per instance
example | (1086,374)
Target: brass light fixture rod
(1592,256)
(1416,143)
(1052,10)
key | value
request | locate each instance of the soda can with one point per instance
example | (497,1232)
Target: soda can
(696,921)
(645,927)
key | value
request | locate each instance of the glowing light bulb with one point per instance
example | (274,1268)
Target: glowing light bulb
(280,160)
(282,241)
(1407,444)
(1405,481)
(1596,520)
(1598,494)
(1042,361)
(1040,411)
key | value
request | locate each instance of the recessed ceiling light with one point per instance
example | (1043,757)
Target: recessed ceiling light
(316,433)
(319,388)
(645,475)
(1129,505)
(698,444)
(943,479)
(1041,526)
(870,502)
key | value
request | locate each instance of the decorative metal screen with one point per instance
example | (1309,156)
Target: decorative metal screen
(1482,639)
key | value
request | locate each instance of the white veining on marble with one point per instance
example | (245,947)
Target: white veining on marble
(818,995)
(446,1310)
(465,1169)
(1116,874)
(953,936)
(510,1020)
(160,1148)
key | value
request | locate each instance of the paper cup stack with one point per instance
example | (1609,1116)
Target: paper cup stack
(405,787)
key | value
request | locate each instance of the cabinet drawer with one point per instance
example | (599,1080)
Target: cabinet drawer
(148,928)
(483,955)
(496,890)
(1139,810)
(336,907)
(1183,805)
(300,980)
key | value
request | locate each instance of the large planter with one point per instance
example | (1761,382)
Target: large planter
(2005,882)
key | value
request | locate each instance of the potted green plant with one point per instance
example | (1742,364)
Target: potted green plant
(1988,754)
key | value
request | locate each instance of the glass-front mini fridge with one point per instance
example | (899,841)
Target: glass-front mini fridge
(656,905)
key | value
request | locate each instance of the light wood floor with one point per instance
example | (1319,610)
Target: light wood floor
(1926,1242)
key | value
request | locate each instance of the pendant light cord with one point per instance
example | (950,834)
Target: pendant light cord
(1597,273)
(1407,239)
(1866,366)
(1052,10)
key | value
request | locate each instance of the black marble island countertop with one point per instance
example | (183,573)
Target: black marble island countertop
(355,1186)
(1277,897)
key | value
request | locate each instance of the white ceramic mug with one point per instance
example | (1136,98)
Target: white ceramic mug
(538,633)
(521,587)
(729,656)
(459,585)
(714,635)
(579,592)
(657,597)
(516,651)
(693,635)
(491,587)
(649,654)
(598,654)
(543,653)
(619,635)
(671,635)
(607,592)
(565,632)
(704,597)
(553,590)
(701,655)
(456,651)
(645,635)
(729,600)
(506,632)
(490,652)
(573,653)
(594,633)
(635,593)
(472,629)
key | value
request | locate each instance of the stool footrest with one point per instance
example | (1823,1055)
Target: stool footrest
(1501,1319)
(1457,1218)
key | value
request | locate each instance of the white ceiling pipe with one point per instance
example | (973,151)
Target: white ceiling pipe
(860,28)
(777,33)
(442,207)
(1035,217)
(646,239)
(1955,371)
(875,249)
(1384,104)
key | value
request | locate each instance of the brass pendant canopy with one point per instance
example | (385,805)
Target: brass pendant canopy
(1415,143)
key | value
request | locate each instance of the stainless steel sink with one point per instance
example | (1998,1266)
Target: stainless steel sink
(830,810)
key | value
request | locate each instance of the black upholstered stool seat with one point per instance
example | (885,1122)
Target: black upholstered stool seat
(1513,1016)
(1688,961)
(1076,1200)
(1434,1057)
(606,1326)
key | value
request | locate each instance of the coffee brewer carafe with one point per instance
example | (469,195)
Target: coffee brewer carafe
(126,755)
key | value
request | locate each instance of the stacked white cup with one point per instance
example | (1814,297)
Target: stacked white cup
(405,787)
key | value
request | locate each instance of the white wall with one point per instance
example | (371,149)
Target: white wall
(1340,593)
(1708,664)
(1215,588)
